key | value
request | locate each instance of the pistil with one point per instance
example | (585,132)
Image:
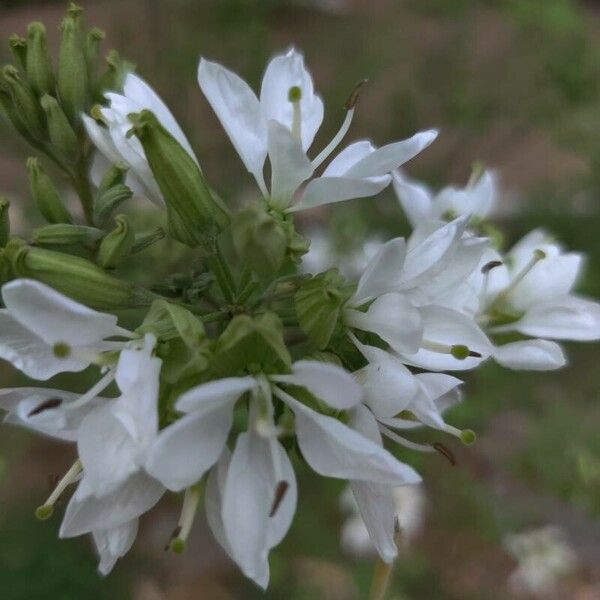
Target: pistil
(186,519)
(46,510)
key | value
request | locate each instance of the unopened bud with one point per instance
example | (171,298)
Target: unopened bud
(92,49)
(62,136)
(147,238)
(117,245)
(72,66)
(75,277)
(191,206)
(18,48)
(4,222)
(45,194)
(38,67)
(25,103)
(65,234)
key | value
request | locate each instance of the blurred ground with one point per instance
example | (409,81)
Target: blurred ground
(512,83)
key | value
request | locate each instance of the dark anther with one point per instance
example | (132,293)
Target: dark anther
(474,354)
(174,535)
(491,265)
(445,452)
(45,405)
(280,491)
(352,99)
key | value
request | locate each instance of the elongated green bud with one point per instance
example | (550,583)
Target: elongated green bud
(26,105)
(72,66)
(38,66)
(75,277)
(114,176)
(147,238)
(45,194)
(65,234)
(112,191)
(117,245)
(180,180)
(18,48)
(8,108)
(61,134)
(93,40)
(4,221)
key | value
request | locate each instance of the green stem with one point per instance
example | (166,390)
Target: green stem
(222,274)
(81,183)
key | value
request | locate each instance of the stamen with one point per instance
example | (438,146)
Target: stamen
(458,351)
(538,255)
(186,520)
(45,511)
(280,492)
(102,384)
(339,136)
(403,441)
(491,265)
(45,405)
(445,452)
(294,96)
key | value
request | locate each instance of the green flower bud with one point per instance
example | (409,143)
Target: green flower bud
(62,136)
(38,67)
(45,194)
(117,245)
(64,234)
(8,108)
(18,48)
(318,303)
(25,103)
(111,193)
(146,239)
(259,240)
(93,40)
(72,66)
(114,176)
(75,277)
(191,207)
(4,221)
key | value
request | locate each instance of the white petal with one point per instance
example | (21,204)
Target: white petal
(388,385)
(108,453)
(388,158)
(247,502)
(213,498)
(383,272)
(112,544)
(239,111)
(102,139)
(60,422)
(328,382)
(282,73)
(449,327)
(289,164)
(136,89)
(185,450)
(54,317)
(566,318)
(334,450)
(393,318)
(85,512)
(530,355)
(327,190)
(348,157)
(414,198)
(29,353)
(214,392)
(436,385)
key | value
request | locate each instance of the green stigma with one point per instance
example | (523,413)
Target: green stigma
(460,351)
(44,512)
(295,94)
(177,545)
(467,437)
(61,350)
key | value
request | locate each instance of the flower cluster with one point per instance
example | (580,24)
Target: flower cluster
(238,368)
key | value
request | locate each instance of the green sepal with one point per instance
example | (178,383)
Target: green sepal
(250,345)
(38,66)
(259,240)
(318,303)
(45,195)
(113,77)
(117,244)
(167,321)
(65,234)
(61,133)
(18,48)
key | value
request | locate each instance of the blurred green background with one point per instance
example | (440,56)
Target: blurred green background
(512,83)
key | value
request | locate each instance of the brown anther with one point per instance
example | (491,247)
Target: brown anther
(174,535)
(280,491)
(474,354)
(45,405)
(491,265)
(445,452)
(353,98)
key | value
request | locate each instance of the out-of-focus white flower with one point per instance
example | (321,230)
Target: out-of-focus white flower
(115,146)
(420,205)
(42,332)
(282,124)
(544,557)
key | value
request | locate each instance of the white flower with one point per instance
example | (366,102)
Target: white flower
(544,557)
(42,332)
(282,125)
(252,493)
(420,205)
(114,543)
(115,146)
